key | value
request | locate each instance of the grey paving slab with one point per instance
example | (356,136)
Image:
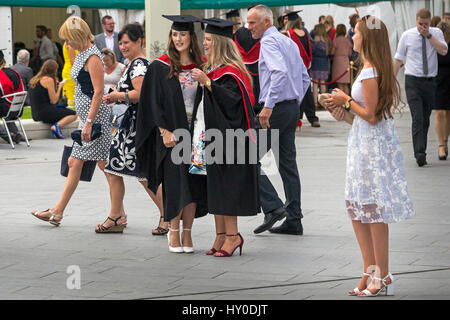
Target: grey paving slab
(324,263)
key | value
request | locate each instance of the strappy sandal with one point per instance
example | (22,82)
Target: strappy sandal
(116,228)
(213,250)
(160,231)
(355,291)
(51,219)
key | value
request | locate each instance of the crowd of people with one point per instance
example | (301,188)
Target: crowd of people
(256,79)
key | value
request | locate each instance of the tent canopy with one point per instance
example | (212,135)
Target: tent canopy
(140,4)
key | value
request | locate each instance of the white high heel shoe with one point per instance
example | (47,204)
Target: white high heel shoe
(173,249)
(187,249)
(355,291)
(388,289)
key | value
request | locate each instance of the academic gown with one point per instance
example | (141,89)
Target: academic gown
(232,188)
(161,104)
(249,49)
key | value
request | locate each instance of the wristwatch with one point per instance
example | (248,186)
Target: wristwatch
(89,120)
(208,83)
(347,104)
(429,36)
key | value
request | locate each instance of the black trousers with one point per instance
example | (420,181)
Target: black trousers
(284,118)
(420,93)
(307,107)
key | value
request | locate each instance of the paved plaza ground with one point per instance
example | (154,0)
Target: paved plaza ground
(324,263)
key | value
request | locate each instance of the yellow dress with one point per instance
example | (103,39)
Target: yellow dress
(69,86)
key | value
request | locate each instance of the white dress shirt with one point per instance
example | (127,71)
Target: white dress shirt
(410,48)
(109,42)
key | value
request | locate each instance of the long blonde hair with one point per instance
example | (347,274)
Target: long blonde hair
(225,52)
(321,33)
(375,49)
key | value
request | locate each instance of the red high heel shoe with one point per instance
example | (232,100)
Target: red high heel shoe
(226,254)
(213,250)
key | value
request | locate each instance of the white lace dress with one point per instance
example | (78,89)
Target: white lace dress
(375,187)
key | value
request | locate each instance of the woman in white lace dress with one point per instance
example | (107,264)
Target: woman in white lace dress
(376,191)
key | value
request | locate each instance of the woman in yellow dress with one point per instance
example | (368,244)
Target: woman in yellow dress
(69,87)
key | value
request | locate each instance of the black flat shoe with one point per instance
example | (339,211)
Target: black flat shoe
(270,219)
(288,229)
(421,159)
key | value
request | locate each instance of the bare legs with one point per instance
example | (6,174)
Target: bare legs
(442,130)
(157,199)
(117,194)
(373,240)
(187,214)
(227,224)
(65,121)
(73,177)
(323,89)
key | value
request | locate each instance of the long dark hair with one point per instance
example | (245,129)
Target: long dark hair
(375,49)
(174,56)
(48,69)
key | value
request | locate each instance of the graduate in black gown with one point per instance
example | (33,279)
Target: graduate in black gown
(168,100)
(249,49)
(232,188)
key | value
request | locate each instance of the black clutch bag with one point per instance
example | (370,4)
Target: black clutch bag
(96,132)
(88,166)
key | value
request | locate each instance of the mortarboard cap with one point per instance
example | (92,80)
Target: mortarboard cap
(292,15)
(232,13)
(183,22)
(220,27)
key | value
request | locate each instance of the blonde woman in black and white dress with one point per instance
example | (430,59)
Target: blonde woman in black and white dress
(87,72)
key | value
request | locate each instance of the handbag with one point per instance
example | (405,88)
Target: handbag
(89,166)
(121,114)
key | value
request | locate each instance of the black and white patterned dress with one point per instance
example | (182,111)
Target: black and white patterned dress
(99,148)
(122,153)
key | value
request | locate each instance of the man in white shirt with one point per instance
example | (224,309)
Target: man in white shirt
(109,38)
(420,46)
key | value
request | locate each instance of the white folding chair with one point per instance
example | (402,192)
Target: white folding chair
(14,113)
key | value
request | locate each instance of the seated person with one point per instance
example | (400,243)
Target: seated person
(44,94)
(10,82)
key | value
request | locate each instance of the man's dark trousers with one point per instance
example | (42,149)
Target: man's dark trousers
(284,118)
(307,107)
(420,93)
